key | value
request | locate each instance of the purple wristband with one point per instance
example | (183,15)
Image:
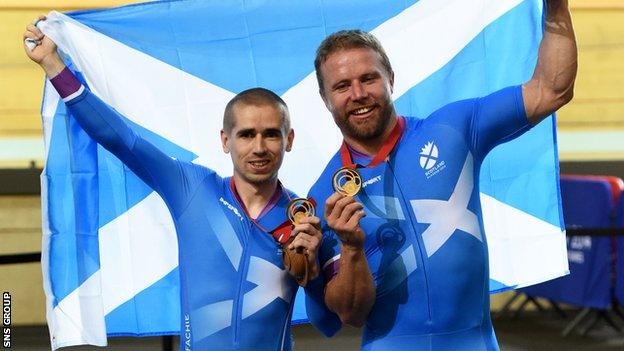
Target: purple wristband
(331,269)
(66,83)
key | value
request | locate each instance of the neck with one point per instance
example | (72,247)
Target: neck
(371,146)
(254,196)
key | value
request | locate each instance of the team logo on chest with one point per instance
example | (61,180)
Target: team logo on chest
(430,160)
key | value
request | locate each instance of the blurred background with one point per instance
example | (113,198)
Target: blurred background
(590,137)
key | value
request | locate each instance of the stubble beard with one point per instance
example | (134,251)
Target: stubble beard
(369,131)
(259,179)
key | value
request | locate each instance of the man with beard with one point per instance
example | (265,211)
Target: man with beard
(416,285)
(234,291)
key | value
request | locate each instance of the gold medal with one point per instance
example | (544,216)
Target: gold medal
(298,209)
(347,181)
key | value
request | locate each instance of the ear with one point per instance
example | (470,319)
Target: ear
(391,82)
(225,138)
(289,139)
(323,97)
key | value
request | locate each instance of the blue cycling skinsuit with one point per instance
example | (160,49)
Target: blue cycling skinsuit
(235,293)
(424,234)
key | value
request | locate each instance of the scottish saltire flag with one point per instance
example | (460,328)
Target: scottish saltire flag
(109,248)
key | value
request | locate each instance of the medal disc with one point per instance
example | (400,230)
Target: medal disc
(298,209)
(347,181)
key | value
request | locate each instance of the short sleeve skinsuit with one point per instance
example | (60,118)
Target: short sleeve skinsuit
(424,235)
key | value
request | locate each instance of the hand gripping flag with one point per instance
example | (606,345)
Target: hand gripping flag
(109,248)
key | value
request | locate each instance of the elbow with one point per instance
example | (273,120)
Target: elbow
(564,96)
(353,319)
(559,100)
(568,95)
(327,326)
(554,99)
(356,317)
(357,313)
(560,95)
(329,332)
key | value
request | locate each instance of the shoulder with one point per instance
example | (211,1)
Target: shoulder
(508,97)
(195,172)
(456,115)
(453,110)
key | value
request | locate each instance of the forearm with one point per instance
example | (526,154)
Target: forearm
(320,316)
(553,79)
(52,65)
(108,128)
(351,293)
(99,120)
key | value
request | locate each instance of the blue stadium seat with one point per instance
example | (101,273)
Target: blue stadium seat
(590,205)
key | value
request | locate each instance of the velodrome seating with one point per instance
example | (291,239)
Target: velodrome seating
(593,210)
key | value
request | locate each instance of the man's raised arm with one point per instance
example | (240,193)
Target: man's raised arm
(107,127)
(552,83)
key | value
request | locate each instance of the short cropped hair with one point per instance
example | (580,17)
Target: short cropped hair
(348,39)
(255,97)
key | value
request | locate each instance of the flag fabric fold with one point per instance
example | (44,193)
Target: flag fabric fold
(169,67)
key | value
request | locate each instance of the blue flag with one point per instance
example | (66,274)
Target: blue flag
(170,67)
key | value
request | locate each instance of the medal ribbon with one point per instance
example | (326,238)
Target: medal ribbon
(282,232)
(277,194)
(383,152)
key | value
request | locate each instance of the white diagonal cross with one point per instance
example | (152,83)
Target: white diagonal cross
(271,283)
(446,216)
